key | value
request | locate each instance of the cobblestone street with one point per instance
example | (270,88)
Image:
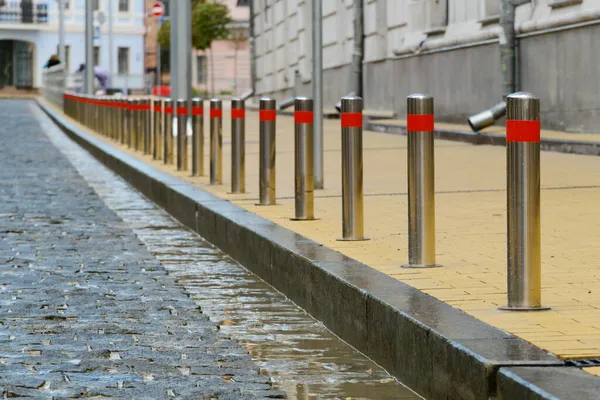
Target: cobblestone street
(85,310)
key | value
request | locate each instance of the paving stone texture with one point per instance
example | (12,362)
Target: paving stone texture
(85,310)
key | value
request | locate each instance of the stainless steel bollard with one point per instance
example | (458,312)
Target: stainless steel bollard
(266,169)
(216,142)
(197,137)
(523,203)
(121,120)
(168,131)
(238,145)
(304,159)
(127,122)
(182,112)
(421,182)
(157,128)
(352,169)
(133,119)
(146,126)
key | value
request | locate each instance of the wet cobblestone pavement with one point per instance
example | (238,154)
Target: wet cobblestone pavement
(85,310)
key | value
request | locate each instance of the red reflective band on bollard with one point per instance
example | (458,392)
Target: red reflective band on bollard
(181,110)
(216,113)
(352,120)
(267,115)
(238,113)
(522,131)
(168,110)
(156,108)
(303,117)
(197,111)
(419,122)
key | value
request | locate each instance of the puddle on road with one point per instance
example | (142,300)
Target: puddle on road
(300,355)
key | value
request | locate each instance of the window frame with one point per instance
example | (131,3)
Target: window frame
(128,59)
(128,6)
(204,64)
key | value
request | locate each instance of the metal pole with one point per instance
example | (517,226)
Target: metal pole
(216,142)
(304,159)
(172,49)
(523,203)
(158,113)
(421,182)
(317,86)
(197,137)
(267,116)
(125,140)
(134,124)
(146,124)
(167,131)
(158,61)
(61,35)
(352,169)
(89,47)
(182,135)
(238,146)
(110,39)
(182,28)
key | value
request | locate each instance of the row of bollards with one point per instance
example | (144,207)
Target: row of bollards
(146,125)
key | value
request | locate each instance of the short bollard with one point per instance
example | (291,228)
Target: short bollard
(352,169)
(197,137)
(421,182)
(523,203)
(157,128)
(238,146)
(168,131)
(266,164)
(216,142)
(182,112)
(146,136)
(304,159)
(132,123)
(126,121)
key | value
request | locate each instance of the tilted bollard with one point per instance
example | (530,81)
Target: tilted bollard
(352,169)
(182,112)
(421,182)
(238,146)
(168,131)
(197,137)
(266,169)
(216,142)
(157,128)
(304,159)
(523,203)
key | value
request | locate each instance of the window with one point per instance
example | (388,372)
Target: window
(166,3)
(201,69)
(123,60)
(96,5)
(96,55)
(123,5)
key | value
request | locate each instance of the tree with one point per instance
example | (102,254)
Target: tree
(209,22)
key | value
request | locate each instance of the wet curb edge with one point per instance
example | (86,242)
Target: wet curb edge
(437,350)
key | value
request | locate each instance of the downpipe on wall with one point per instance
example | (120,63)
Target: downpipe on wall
(357,53)
(508,66)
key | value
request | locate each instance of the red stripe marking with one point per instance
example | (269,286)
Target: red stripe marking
(197,110)
(181,110)
(267,115)
(419,122)
(216,113)
(238,113)
(169,110)
(303,117)
(156,108)
(522,131)
(352,120)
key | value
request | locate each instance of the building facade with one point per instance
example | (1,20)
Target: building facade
(448,48)
(29,36)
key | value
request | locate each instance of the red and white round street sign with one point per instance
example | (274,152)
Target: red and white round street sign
(158,9)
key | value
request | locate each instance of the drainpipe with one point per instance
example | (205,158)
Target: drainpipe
(358,53)
(252,54)
(508,65)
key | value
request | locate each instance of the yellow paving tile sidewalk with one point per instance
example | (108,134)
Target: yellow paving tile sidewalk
(471,226)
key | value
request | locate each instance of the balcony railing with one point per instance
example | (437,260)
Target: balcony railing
(24,11)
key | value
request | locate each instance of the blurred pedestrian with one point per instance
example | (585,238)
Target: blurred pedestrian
(52,61)
(101,75)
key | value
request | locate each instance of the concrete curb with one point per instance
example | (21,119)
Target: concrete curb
(439,351)
(560,146)
(547,384)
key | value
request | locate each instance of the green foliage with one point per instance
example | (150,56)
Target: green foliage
(209,23)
